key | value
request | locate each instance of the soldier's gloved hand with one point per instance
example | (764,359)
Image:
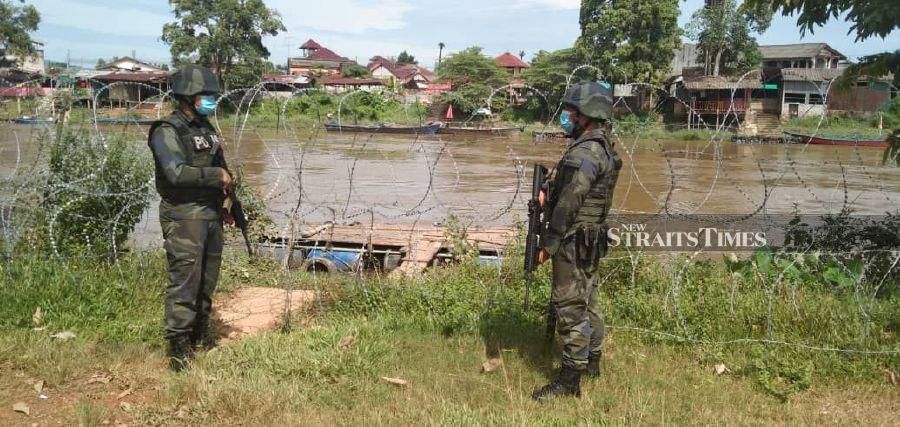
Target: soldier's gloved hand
(226,181)
(542,256)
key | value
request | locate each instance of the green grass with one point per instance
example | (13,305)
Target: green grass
(838,126)
(435,331)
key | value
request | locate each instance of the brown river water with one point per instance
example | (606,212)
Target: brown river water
(401,179)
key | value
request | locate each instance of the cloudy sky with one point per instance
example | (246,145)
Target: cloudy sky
(359,29)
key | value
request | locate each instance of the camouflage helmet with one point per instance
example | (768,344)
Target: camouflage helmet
(191,80)
(591,99)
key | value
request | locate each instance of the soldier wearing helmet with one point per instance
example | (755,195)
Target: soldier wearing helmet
(192,180)
(578,198)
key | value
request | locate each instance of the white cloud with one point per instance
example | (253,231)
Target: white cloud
(556,4)
(343,16)
(122,20)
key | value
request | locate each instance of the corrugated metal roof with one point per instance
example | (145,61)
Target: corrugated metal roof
(129,76)
(117,65)
(796,50)
(347,81)
(12,92)
(810,74)
(823,74)
(751,81)
(407,71)
(325,54)
(287,79)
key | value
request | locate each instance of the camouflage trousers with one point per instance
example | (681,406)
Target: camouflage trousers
(574,296)
(194,253)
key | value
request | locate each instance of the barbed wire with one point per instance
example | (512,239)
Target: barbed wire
(308,177)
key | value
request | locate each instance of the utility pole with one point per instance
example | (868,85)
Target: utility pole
(288,40)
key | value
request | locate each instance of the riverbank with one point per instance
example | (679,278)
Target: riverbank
(434,332)
(837,126)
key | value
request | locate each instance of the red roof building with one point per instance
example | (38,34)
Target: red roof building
(324,54)
(410,76)
(380,61)
(347,81)
(511,62)
(310,45)
(315,57)
(339,84)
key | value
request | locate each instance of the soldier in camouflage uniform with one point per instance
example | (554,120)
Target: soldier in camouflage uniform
(578,198)
(192,180)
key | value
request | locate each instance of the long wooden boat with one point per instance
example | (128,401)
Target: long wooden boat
(430,129)
(832,140)
(467,130)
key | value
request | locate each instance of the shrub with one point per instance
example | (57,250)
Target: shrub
(96,190)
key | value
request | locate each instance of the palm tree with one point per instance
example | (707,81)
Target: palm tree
(522,55)
(441,47)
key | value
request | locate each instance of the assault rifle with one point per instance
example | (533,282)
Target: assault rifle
(532,248)
(232,204)
(236,209)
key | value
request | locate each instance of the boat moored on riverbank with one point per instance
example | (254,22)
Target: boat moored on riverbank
(833,140)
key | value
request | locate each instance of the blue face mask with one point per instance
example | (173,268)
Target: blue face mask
(566,123)
(207,105)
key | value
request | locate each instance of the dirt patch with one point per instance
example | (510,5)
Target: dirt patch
(249,311)
(107,397)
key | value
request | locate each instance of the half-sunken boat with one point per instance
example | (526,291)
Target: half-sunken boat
(834,140)
(429,129)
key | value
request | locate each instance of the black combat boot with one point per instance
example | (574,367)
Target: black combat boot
(593,366)
(181,353)
(202,337)
(568,383)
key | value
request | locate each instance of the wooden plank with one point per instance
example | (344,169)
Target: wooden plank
(419,246)
(399,236)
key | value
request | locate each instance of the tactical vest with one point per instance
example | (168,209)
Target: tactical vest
(598,201)
(197,144)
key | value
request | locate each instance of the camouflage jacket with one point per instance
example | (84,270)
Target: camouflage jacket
(581,188)
(188,172)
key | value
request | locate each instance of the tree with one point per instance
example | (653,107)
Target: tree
(474,77)
(629,40)
(441,47)
(269,67)
(550,71)
(722,32)
(16,22)
(405,59)
(225,35)
(522,55)
(100,62)
(355,71)
(869,17)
